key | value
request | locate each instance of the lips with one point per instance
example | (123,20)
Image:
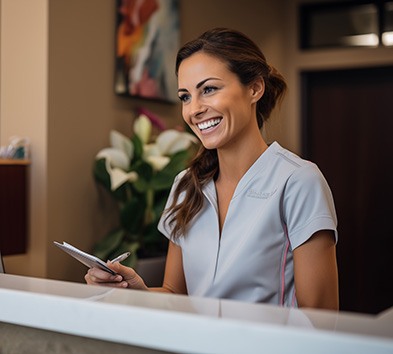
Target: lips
(209,123)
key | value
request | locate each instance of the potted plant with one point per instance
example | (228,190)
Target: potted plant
(138,172)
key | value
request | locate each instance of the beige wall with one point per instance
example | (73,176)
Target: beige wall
(57,65)
(24,109)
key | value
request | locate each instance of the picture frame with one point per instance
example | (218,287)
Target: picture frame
(147,40)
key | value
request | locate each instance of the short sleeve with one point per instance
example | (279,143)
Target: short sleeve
(307,205)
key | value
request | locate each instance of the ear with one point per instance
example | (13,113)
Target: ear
(257,89)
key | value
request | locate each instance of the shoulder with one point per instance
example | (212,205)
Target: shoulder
(180,175)
(299,176)
(178,178)
(295,168)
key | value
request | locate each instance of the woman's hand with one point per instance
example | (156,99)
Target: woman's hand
(125,278)
(174,281)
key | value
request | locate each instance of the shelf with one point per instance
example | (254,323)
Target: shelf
(14,162)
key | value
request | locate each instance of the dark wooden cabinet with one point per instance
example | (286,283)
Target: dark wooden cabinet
(13,206)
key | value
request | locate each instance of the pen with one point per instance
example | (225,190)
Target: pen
(120,258)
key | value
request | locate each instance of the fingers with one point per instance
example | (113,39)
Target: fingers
(96,276)
(125,277)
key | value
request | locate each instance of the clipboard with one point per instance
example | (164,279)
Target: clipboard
(87,259)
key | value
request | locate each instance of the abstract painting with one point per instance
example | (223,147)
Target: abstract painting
(147,40)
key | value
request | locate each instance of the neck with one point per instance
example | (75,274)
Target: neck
(235,162)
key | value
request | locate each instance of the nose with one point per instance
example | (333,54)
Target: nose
(196,108)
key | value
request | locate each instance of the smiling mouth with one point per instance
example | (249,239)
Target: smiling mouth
(209,124)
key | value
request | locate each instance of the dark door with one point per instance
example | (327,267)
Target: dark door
(348,132)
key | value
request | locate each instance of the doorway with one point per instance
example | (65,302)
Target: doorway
(347,120)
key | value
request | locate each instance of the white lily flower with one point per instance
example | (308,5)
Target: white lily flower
(142,128)
(119,177)
(158,162)
(151,150)
(153,155)
(121,142)
(116,161)
(115,157)
(171,141)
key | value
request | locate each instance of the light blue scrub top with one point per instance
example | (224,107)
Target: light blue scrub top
(279,203)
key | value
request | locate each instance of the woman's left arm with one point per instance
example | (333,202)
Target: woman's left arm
(316,276)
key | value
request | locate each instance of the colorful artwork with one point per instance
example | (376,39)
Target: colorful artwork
(147,40)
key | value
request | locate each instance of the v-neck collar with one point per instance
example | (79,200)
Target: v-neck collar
(263,160)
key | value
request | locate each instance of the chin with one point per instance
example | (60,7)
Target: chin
(209,145)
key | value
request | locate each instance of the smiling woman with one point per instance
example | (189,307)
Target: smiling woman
(247,220)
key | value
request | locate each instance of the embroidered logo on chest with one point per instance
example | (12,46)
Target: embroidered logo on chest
(252,193)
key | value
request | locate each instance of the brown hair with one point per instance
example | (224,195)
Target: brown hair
(247,61)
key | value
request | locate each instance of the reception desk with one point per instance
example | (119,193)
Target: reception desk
(147,322)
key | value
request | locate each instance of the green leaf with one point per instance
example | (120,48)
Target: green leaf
(121,193)
(159,202)
(151,234)
(101,174)
(110,242)
(132,214)
(162,181)
(178,161)
(138,148)
(154,243)
(145,173)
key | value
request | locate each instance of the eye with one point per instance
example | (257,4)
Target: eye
(184,97)
(209,89)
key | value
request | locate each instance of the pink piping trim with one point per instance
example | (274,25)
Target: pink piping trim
(294,298)
(283,268)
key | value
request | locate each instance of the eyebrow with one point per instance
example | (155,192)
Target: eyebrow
(199,84)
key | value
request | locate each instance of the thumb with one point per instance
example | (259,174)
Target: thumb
(129,275)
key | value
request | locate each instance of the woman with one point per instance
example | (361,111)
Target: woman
(246,221)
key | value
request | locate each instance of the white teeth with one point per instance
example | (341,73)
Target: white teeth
(209,124)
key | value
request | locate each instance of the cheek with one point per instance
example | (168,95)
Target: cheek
(185,115)
(225,103)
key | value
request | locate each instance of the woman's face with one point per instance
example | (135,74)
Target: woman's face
(217,107)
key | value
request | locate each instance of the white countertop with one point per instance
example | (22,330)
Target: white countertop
(185,324)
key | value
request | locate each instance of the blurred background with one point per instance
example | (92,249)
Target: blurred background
(57,88)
